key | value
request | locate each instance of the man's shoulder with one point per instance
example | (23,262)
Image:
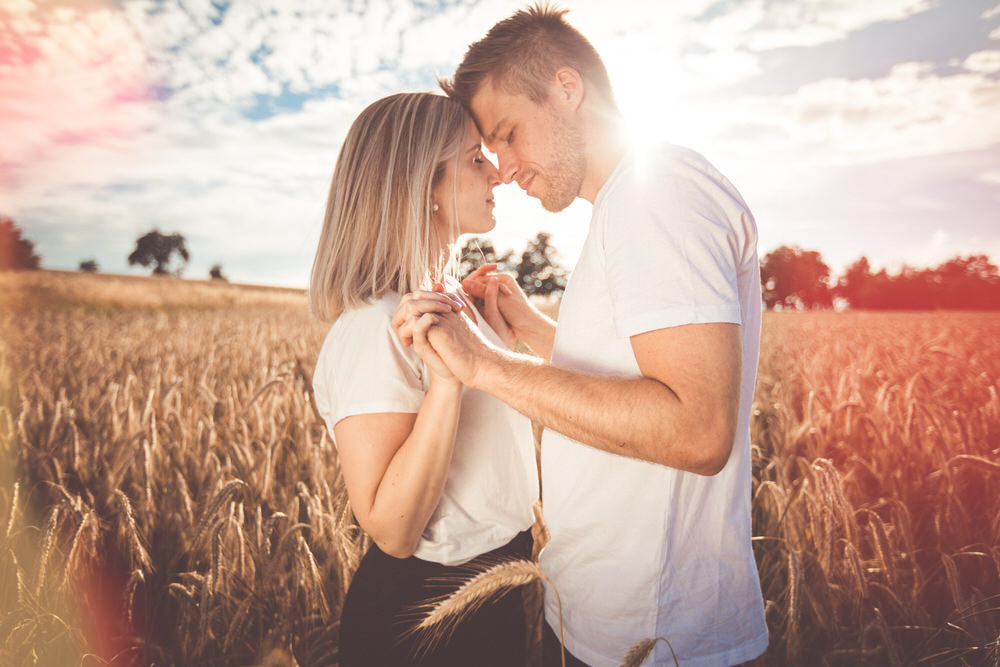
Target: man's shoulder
(653,168)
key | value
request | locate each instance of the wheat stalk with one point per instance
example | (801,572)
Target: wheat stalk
(643,649)
(441,617)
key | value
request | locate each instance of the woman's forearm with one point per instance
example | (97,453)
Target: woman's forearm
(539,333)
(411,487)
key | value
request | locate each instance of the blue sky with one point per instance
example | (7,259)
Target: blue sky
(851,127)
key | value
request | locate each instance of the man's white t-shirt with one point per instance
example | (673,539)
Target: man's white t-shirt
(492,482)
(640,550)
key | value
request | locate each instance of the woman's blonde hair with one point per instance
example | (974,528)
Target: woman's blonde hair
(377,233)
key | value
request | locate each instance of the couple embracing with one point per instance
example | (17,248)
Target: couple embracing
(644,387)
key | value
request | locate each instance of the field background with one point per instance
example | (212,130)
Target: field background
(169,496)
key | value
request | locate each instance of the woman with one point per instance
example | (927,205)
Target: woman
(437,475)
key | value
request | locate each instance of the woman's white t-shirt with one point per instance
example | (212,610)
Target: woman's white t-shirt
(492,483)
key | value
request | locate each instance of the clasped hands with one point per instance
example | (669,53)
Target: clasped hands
(441,325)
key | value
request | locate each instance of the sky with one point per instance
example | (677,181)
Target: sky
(850,127)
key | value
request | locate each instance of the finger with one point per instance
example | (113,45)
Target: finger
(422,325)
(420,343)
(483,269)
(440,290)
(508,283)
(404,332)
(423,347)
(474,281)
(437,293)
(416,308)
(490,309)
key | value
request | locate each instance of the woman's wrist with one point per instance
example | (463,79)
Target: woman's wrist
(445,385)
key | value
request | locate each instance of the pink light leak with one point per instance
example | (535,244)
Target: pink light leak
(67,76)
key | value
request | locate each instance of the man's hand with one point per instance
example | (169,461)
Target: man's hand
(460,345)
(452,338)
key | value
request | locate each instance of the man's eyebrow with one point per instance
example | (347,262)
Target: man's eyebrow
(496,128)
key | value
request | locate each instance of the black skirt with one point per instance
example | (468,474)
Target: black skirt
(378,611)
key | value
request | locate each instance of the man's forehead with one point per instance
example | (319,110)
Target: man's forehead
(484,104)
(489,107)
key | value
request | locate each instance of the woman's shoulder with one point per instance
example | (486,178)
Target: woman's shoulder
(365,331)
(373,311)
(364,323)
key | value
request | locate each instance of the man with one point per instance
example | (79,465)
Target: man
(646,402)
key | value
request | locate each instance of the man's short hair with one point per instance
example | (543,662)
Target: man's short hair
(521,54)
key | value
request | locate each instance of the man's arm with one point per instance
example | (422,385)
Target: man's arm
(682,413)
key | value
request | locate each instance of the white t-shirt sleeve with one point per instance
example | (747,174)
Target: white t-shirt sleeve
(671,254)
(363,368)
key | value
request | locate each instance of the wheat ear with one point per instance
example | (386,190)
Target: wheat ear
(640,651)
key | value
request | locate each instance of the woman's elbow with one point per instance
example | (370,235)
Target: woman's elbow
(392,540)
(396,549)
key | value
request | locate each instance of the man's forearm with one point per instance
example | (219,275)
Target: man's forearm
(635,417)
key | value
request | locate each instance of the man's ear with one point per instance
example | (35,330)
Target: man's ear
(567,87)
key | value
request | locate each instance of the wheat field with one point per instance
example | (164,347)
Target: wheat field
(168,495)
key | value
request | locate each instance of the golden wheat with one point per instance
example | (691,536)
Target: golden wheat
(174,483)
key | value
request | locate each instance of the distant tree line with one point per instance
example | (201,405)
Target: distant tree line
(792,278)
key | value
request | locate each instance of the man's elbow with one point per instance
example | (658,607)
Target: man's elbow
(708,449)
(715,448)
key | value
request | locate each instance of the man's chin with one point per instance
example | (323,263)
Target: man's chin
(553,205)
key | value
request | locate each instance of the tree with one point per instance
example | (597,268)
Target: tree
(88,265)
(795,278)
(477,251)
(215,273)
(539,271)
(156,248)
(16,252)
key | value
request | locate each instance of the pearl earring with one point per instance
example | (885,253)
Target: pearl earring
(435,208)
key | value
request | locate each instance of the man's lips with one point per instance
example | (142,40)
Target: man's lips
(527,184)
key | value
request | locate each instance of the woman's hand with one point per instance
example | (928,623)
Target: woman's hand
(420,302)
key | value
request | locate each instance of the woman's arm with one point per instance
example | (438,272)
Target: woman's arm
(395,464)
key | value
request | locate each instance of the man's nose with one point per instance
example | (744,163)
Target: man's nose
(508,165)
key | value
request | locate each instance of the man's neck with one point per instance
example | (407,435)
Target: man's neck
(606,148)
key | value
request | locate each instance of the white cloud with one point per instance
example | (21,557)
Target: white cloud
(912,111)
(986,62)
(760,25)
(990,13)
